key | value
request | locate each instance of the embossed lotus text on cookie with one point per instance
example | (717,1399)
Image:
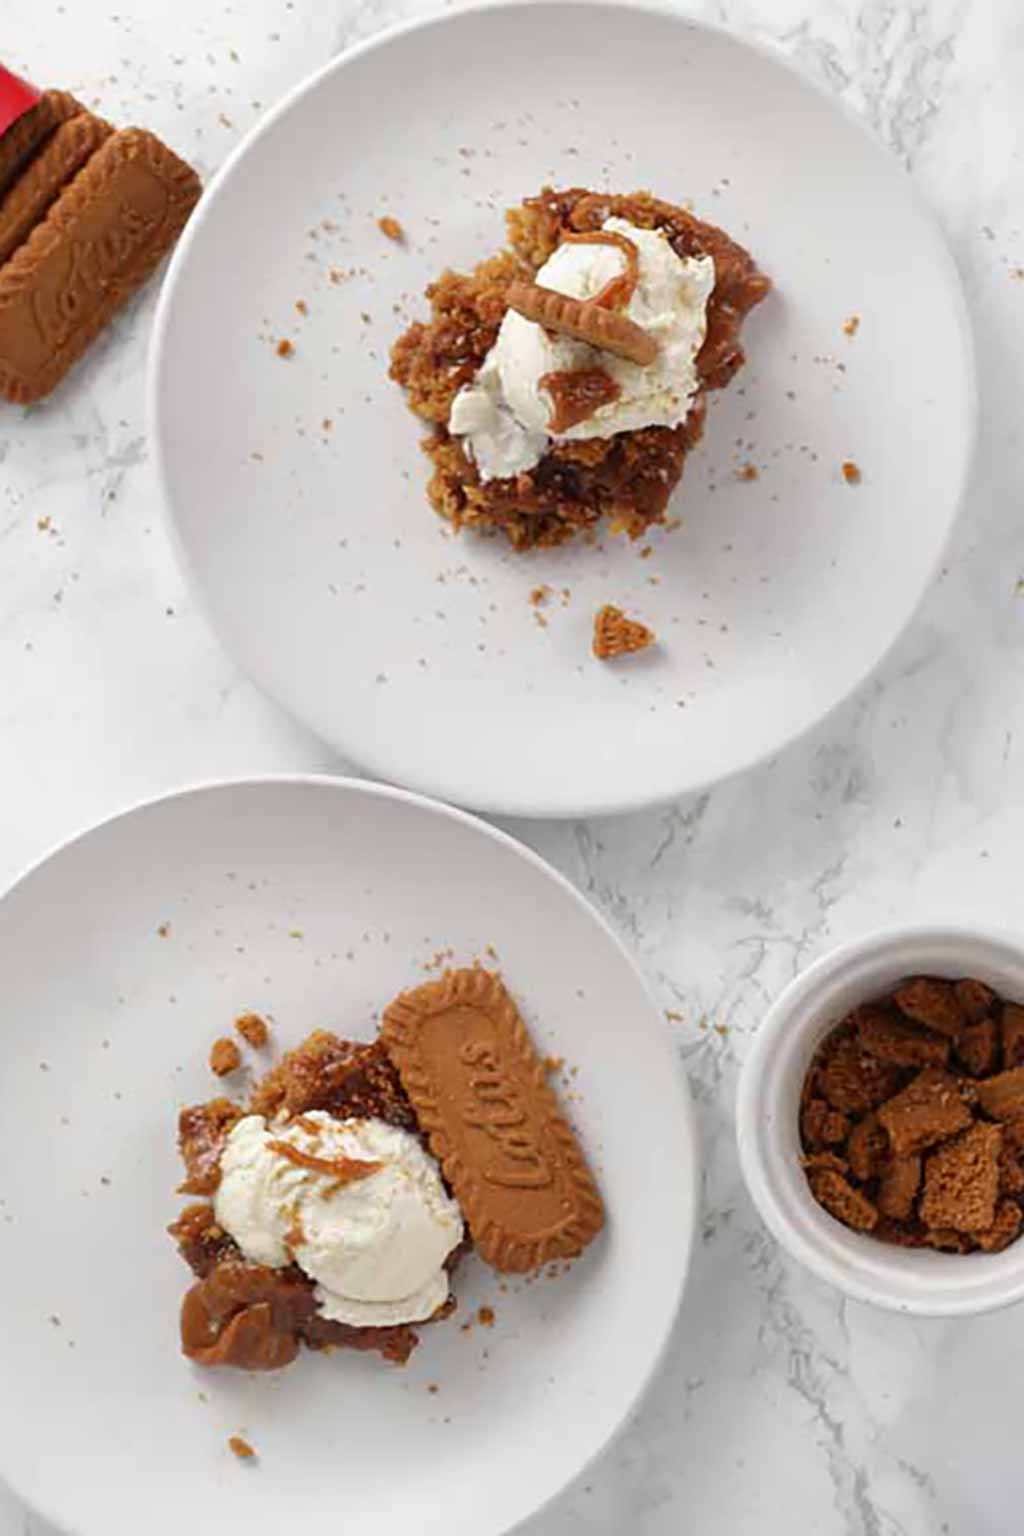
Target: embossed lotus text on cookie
(492,1120)
(589,322)
(98,243)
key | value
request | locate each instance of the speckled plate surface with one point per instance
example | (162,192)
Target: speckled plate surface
(312,901)
(297,490)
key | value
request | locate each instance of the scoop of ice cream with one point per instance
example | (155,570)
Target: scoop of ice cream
(357,1204)
(503,416)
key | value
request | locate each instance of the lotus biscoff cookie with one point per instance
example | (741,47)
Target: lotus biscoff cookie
(27,118)
(48,172)
(98,243)
(492,1120)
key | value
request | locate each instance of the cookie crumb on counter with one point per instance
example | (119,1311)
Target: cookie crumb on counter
(284,347)
(851,326)
(391,228)
(747,471)
(225,1057)
(486,1317)
(851,472)
(241,1448)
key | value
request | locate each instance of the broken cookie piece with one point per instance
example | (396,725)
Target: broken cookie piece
(898,1189)
(615,635)
(846,1203)
(868,1148)
(892,1038)
(1011,1029)
(961,1181)
(854,1080)
(1004,1229)
(975,999)
(822,1125)
(253,1030)
(928,1110)
(1011,1172)
(1002,1097)
(225,1057)
(977,1046)
(932,1003)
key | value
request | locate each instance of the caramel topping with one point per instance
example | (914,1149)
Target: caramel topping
(576,394)
(345,1170)
(618,291)
(202,1132)
(226,1321)
(249,1316)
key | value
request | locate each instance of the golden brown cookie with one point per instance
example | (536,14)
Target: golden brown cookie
(589,322)
(64,153)
(28,132)
(492,1120)
(98,243)
(615,635)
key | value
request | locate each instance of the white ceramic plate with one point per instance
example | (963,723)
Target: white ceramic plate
(313,901)
(418,654)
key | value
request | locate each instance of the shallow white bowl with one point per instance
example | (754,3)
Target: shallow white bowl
(904,1280)
(313,901)
(419,655)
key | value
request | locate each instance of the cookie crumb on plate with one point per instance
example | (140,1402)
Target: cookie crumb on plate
(253,1029)
(615,635)
(225,1057)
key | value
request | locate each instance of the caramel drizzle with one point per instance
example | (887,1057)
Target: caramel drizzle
(311,1126)
(294,1237)
(344,1170)
(618,291)
(576,394)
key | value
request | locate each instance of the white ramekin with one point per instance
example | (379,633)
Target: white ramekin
(903,1279)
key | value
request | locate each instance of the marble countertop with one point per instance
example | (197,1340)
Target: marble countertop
(782,1408)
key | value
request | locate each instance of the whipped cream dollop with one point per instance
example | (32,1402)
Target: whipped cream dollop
(374,1241)
(503,416)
